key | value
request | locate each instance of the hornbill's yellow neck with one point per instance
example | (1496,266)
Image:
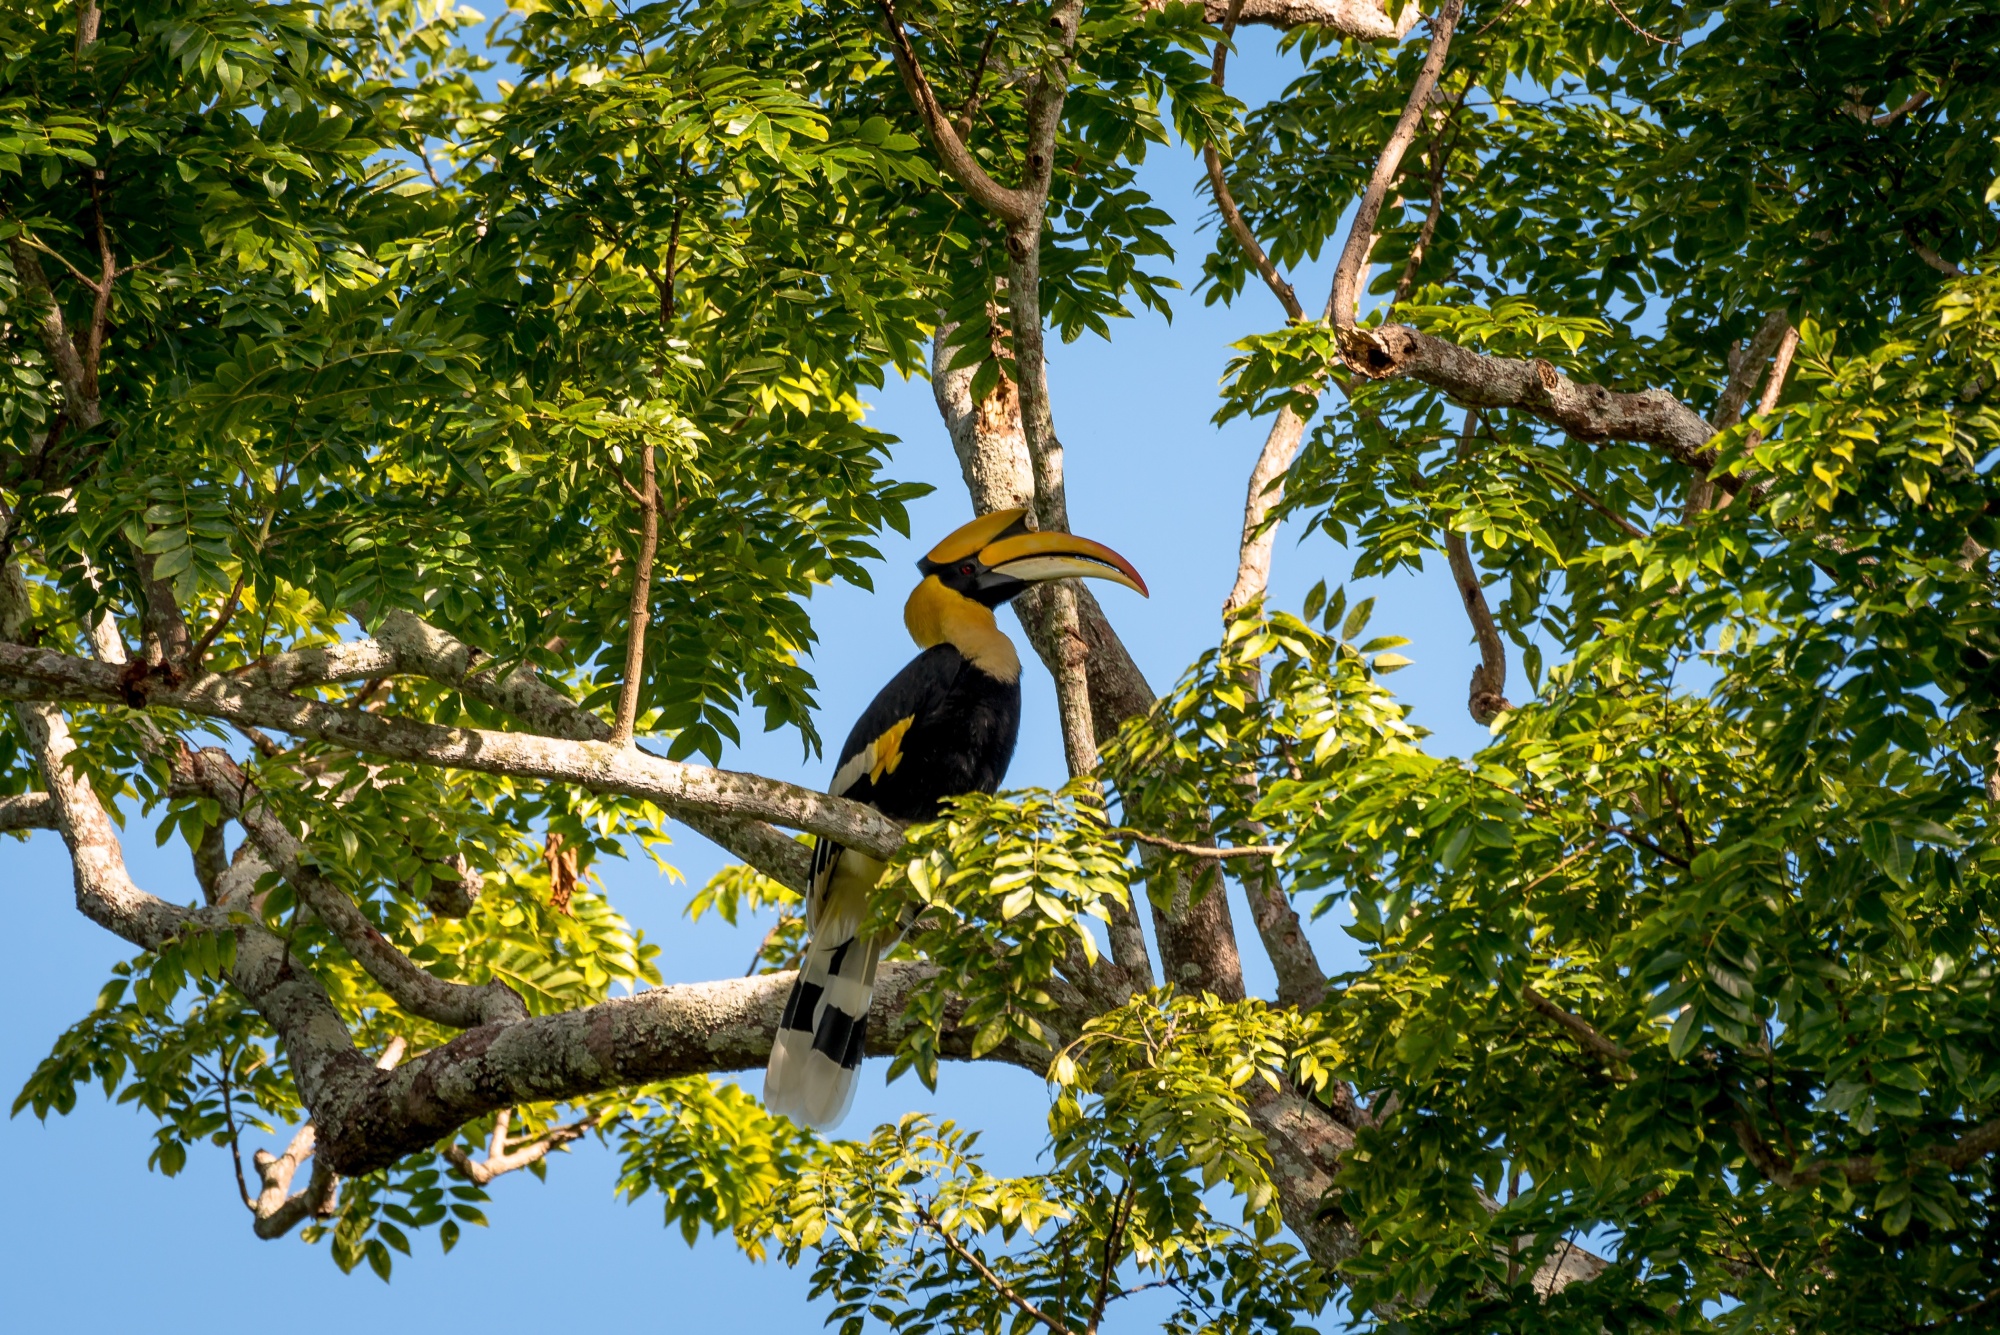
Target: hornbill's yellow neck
(938,615)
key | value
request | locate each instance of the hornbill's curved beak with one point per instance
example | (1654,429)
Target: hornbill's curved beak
(1034,557)
(1005,552)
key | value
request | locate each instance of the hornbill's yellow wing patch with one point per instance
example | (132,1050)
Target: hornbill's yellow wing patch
(877,758)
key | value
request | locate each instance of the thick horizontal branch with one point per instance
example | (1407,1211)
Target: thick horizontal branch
(27,811)
(659,1034)
(42,674)
(1368,20)
(406,644)
(1960,1154)
(1590,413)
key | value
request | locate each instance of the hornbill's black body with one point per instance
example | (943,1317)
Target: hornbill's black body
(943,726)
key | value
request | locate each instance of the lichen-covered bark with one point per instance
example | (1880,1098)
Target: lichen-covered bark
(42,674)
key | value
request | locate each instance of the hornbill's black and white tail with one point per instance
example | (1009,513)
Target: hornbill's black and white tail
(816,1058)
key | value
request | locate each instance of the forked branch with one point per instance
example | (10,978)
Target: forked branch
(505,1156)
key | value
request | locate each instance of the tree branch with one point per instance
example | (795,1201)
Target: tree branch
(1218,183)
(1207,851)
(418,992)
(27,811)
(1260,531)
(1012,206)
(1589,413)
(1929,256)
(1486,698)
(1364,20)
(500,1159)
(659,1034)
(406,643)
(277,1211)
(1746,369)
(1301,980)
(992,454)
(1578,1027)
(985,1273)
(41,674)
(65,358)
(1343,302)
(641,612)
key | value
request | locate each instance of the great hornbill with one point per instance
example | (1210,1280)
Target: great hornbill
(943,726)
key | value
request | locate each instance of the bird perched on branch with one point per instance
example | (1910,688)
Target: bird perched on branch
(943,726)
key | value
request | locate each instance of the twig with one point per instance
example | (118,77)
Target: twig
(1557,870)
(1602,507)
(1114,1241)
(235,1140)
(30,239)
(648,502)
(1439,156)
(1584,1032)
(1626,19)
(769,936)
(1781,365)
(998,1285)
(229,604)
(1202,850)
(1343,301)
(971,107)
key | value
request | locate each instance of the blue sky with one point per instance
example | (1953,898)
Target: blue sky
(92,1240)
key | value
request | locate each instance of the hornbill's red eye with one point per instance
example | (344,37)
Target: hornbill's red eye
(965,569)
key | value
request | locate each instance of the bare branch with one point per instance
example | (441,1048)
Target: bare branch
(658,1034)
(1931,257)
(1343,302)
(1218,184)
(27,811)
(1748,368)
(1652,37)
(407,643)
(1012,206)
(641,612)
(1200,850)
(1365,20)
(1260,531)
(277,1211)
(1486,698)
(530,1149)
(1301,980)
(41,674)
(1894,114)
(1590,413)
(1781,366)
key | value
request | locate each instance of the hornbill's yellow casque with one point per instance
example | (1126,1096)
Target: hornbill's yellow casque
(944,726)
